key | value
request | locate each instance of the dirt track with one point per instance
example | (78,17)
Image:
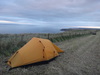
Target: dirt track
(81,57)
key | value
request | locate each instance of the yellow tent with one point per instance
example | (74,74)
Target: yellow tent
(35,50)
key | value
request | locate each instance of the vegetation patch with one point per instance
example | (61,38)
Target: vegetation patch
(9,43)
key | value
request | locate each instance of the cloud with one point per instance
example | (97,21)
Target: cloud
(11,22)
(20,21)
(47,8)
(97,27)
(57,13)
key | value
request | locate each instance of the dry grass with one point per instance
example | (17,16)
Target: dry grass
(9,43)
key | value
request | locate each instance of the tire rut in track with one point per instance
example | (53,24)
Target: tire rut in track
(77,62)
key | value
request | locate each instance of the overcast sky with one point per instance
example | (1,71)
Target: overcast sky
(48,13)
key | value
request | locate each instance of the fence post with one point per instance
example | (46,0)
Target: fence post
(48,36)
(22,37)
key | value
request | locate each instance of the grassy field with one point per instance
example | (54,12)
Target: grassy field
(81,55)
(9,43)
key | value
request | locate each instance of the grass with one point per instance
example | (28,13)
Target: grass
(9,43)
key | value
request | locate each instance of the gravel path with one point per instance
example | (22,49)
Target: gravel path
(81,57)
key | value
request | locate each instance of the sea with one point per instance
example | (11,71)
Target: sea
(18,29)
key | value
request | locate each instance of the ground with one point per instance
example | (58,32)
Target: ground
(81,57)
